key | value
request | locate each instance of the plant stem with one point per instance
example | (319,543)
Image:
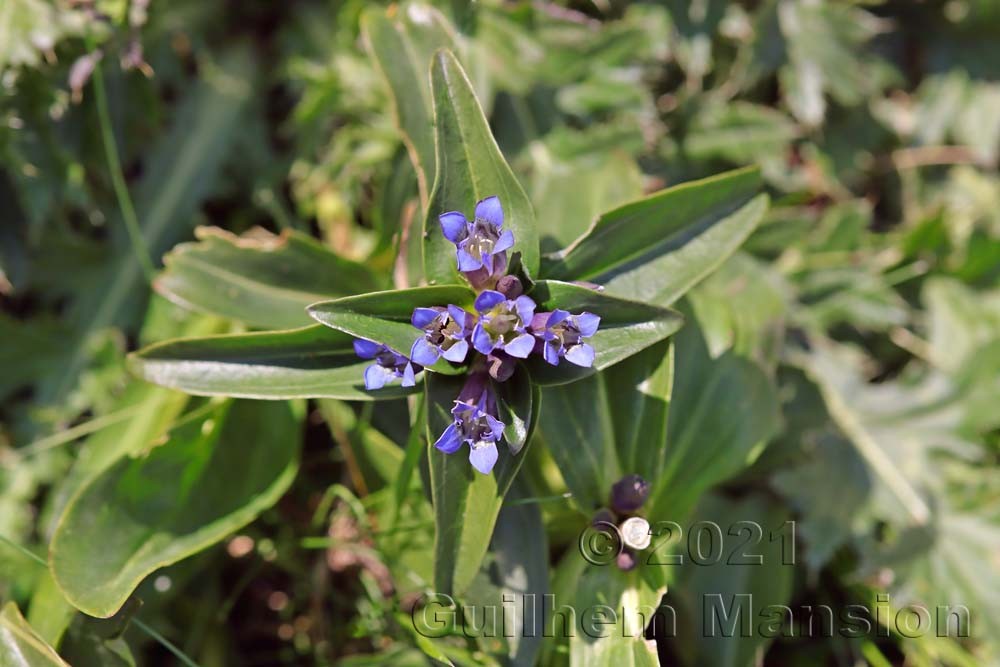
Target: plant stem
(118,178)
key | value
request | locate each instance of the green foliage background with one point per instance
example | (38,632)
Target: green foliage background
(840,369)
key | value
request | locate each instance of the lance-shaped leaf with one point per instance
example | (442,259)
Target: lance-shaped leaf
(212,476)
(576,426)
(722,410)
(469,167)
(627,327)
(655,249)
(261,279)
(466,502)
(384,317)
(312,362)
(21,645)
(401,48)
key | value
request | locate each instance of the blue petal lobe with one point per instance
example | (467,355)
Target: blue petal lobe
(490,210)
(483,456)
(408,379)
(587,323)
(450,440)
(454,226)
(422,317)
(457,351)
(581,355)
(521,346)
(550,351)
(457,314)
(376,377)
(481,340)
(365,348)
(488,299)
(423,352)
(505,242)
(467,262)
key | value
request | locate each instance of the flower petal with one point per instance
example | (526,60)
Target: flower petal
(481,340)
(550,352)
(365,348)
(458,314)
(376,377)
(450,440)
(496,427)
(483,456)
(525,307)
(467,262)
(488,299)
(521,346)
(408,376)
(557,317)
(423,352)
(587,323)
(581,355)
(422,317)
(457,351)
(505,242)
(489,209)
(454,226)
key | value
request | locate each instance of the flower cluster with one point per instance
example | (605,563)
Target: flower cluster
(504,326)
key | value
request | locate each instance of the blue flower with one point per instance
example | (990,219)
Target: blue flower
(475,424)
(445,333)
(388,365)
(481,243)
(503,324)
(562,334)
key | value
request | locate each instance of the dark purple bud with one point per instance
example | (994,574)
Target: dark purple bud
(510,287)
(626,561)
(502,366)
(604,516)
(629,493)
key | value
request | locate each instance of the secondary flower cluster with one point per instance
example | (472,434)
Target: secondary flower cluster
(503,327)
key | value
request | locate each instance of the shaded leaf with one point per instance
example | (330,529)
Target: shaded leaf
(210,478)
(261,279)
(312,362)
(20,645)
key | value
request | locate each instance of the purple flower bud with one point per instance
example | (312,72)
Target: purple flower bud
(475,423)
(626,560)
(510,287)
(502,324)
(562,334)
(388,365)
(481,244)
(501,366)
(629,494)
(446,331)
(603,516)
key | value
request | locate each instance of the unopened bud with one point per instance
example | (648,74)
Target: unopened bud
(629,493)
(502,366)
(604,516)
(626,560)
(510,287)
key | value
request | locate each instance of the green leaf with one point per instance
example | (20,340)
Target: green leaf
(402,47)
(261,279)
(721,411)
(470,167)
(626,327)
(20,645)
(515,408)
(719,590)
(213,476)
(655,249)
(641,387)
(384,317)
(466,502)
(576,426)
(521,569)
(312,362)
